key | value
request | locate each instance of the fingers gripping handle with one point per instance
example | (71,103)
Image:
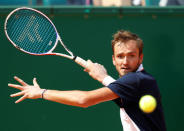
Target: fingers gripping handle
(80,61)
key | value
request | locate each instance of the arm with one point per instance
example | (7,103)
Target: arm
(74,98)
(80,98)
(98,72)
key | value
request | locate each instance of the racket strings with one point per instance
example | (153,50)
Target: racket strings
(42,30)
(31,31)
(27,32)
(16,31)
(40,47)
(49,38)
(16,23)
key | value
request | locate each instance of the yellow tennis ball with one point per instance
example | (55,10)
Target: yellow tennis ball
(147,103)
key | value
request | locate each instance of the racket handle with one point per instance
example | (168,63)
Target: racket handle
(80,61)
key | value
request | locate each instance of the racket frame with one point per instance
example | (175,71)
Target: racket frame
(57,37)
(77,59)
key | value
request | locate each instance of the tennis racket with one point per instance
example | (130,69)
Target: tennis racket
(32,32)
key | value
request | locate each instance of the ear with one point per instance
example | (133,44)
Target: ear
(113,60)
(141,57)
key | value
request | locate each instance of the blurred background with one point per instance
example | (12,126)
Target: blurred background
(86,27)
(94,2)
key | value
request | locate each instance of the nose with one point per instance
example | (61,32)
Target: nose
(125,60)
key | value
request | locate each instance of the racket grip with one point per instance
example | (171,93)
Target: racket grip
(81,62)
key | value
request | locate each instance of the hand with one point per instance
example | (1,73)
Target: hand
(27,91)
(96,71)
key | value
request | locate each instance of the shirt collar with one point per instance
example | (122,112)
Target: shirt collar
(140,68)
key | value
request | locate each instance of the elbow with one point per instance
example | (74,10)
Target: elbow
(84,102)
(84,106)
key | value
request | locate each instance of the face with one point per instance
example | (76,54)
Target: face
(126,57)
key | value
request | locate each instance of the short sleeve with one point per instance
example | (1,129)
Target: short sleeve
(127,88)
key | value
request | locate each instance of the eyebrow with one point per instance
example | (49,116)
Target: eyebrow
(132,52)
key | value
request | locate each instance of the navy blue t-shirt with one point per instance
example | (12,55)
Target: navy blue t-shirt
(130,88)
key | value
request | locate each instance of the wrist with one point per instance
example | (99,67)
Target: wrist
(107,80)
(42,93)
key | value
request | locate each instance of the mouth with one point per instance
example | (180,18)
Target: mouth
(125,68)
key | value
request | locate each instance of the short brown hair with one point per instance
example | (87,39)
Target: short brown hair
(124,36)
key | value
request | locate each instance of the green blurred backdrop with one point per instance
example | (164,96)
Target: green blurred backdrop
(88,31)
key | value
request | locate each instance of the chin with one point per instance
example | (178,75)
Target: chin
(122,74)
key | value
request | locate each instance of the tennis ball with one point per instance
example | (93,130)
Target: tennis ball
(147,103)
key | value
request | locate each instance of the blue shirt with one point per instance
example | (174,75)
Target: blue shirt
(130,88)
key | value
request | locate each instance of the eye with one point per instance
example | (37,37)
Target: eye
(120,56)
(131,55)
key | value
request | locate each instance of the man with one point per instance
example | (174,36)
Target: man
(133,83)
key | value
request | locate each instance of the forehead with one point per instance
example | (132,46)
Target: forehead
(128,47)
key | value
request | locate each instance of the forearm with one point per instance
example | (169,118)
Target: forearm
(73,98)
(80,98)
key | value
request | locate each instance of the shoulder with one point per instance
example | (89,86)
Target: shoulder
(131,77)
(127,88)
(145,76)
(136,78)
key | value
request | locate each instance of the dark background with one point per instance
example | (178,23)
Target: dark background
(87,31)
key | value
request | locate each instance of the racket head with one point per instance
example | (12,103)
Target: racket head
(31,31)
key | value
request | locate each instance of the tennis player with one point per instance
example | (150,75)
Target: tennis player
(126,91)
